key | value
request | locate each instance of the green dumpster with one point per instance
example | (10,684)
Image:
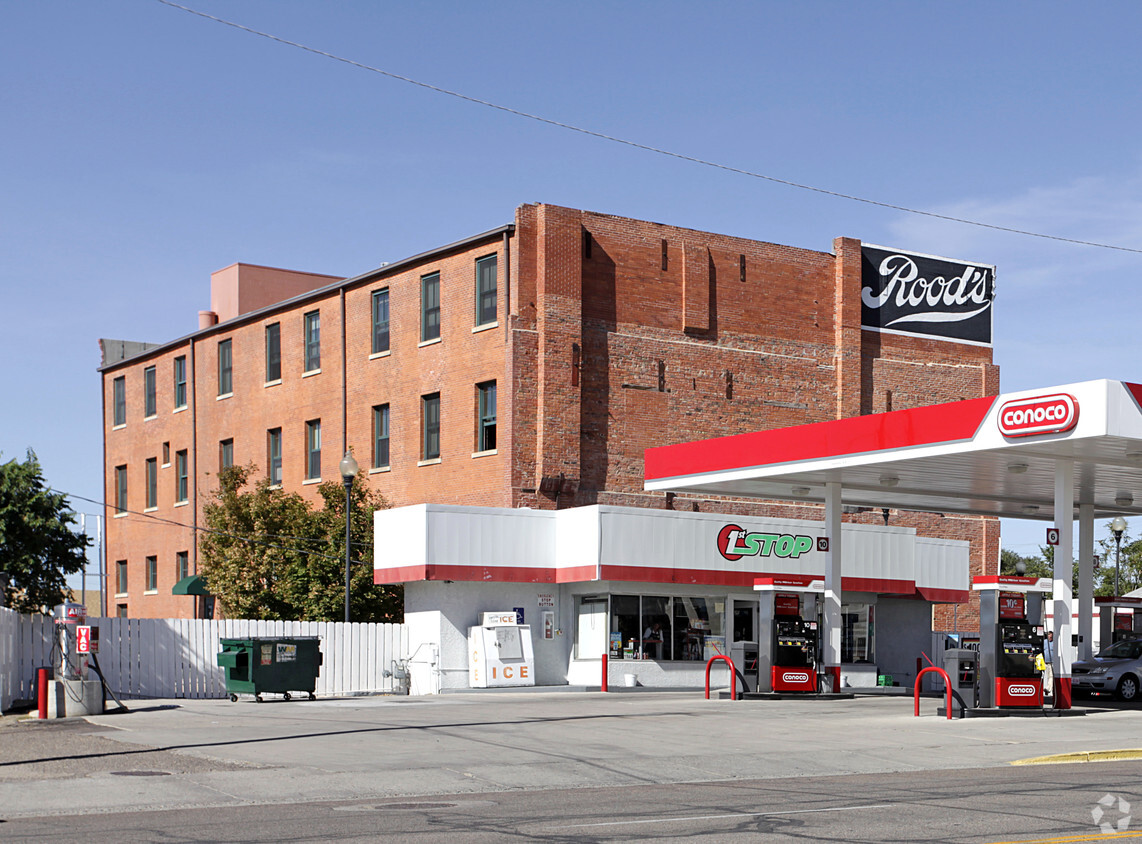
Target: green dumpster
(274,664)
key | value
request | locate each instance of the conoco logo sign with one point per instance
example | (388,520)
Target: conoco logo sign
(1038,415)
(1021,691)
(799,677)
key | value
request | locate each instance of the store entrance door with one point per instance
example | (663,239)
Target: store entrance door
(743,647)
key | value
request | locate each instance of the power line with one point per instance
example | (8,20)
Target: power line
(645,147)
(249,539)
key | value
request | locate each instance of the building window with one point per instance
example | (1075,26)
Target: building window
(181,491)
(313,449)
(166,454)
(119,400)
(225,454)
(152,482)
(380,321)
(430,416)
(486,290)
(225,368)
(380,436)
(486,416)
(152,574)
(120,610)
(181,565)
(180,381)
(663,628)
(150,399)
(312,341)
(120,489)
(274,455)
(121,577)
(273,352)
(430,307)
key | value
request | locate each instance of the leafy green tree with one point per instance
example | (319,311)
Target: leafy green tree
(269,554)
(1130,569)
(38,547)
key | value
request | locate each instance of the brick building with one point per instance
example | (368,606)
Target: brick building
(528,366)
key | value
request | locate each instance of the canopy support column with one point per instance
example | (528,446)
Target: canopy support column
(1064,571)
(1086,579)
(831,637)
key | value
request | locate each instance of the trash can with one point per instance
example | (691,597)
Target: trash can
(276,664)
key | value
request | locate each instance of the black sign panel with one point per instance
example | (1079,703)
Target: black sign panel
(917,294)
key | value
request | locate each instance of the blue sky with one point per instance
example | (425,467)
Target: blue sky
(145,147)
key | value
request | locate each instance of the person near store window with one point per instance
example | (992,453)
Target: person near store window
(652,640)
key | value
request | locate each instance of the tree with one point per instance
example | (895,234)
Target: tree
(38,548)
(269,554)
(1130,570)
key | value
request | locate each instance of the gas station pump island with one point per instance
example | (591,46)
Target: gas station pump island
(1010,639)
(788,652)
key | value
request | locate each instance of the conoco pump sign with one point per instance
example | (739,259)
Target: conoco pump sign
(1038,415)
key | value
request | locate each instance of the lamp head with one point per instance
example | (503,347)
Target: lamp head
(349,467)
(1117,525)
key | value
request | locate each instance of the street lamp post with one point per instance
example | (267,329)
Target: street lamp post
(1117,525)
(349,470)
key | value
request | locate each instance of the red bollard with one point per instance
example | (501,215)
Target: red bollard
(604,672)
(42,691)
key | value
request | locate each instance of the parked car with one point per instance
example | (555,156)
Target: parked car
(1117,669)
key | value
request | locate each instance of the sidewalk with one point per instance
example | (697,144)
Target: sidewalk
(214,753)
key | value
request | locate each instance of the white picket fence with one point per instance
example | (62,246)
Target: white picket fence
(177,658)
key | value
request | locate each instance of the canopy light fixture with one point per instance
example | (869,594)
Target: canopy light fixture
(800,490)
(1124,499)
(889,480)
(1017,468)
(1030,508)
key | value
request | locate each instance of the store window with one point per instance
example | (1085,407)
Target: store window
(663,628)
(857,633)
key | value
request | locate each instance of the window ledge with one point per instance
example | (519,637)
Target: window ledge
(181,503)
(179,409)
(119,426)
(150,509)
(151,592)
(149,418)
(309,372)
(311,481)
(275,486)
(431,462)
(273,383)
(486,326)
(487,453)
(431,342)
(120,594)
(376,470)
(120,515)
(224,396)
(383,354)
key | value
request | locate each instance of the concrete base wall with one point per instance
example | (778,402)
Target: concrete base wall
(74,698)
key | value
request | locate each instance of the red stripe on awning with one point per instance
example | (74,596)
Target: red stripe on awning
(938,423)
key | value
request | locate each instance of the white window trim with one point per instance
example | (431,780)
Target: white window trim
(154,415)
(150,592)
(383,354)
(431,342)
(311,481)
(120,515)
(179,409)
(150,509)
(275,382)
(376,470)
(487,453)
(224,396)
(431,462)
(309,372)
(487,325)
(182,503)
(117,427)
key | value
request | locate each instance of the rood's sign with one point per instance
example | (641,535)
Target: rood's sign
(909,293)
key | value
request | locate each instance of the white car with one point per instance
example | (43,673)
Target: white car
(1117,669)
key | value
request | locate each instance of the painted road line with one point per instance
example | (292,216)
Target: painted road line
(731,815)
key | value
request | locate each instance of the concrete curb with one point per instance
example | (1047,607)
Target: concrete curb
(1082,756)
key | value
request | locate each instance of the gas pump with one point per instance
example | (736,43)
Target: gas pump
(1010,615)
(788,633)
(1118,619)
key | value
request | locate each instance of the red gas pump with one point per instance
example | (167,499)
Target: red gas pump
(1017,681)
(794,666)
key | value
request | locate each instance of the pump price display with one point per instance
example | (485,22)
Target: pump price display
(83,639)
(1011,605)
